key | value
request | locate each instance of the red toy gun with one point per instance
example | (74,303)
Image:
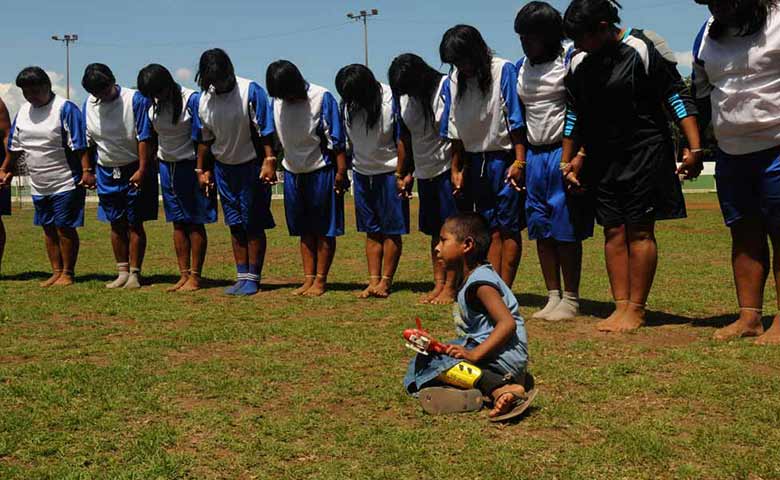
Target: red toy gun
(421,341)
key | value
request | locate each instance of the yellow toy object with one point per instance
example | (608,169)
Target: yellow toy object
(463,375)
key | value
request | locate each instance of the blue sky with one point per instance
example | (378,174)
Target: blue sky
(316,35)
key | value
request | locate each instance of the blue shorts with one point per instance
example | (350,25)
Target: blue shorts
(63,210)
(549,213)
(437,203)
(246,201)
(487,194)
(749,185)
(118,201)
(183,200)
(5,201)
(378,207)
(311,205)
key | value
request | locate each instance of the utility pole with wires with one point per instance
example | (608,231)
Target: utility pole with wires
(67,39)
(364,15)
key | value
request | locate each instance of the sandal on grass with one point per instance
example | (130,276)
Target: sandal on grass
(520,404)
(444,400)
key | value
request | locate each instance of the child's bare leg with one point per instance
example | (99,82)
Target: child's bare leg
(772,335)
(326,250)
(511,252)
(120,244)
(181,245)
(495,250)
(570,255)
(2,242)
(551,268)
(617,260)
(309,257)
(198,243)
(137,252)
(391,250)
(69,251)
(750,263)
(53,252)
(438,274)
(374,249)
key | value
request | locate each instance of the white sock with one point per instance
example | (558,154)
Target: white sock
(134,280)
(121,278)
(553,299)
(568,309)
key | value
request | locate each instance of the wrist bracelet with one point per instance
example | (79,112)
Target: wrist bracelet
(695,150)
(581,154)
(88,169)
(519,164)
(270,158)
(198,170)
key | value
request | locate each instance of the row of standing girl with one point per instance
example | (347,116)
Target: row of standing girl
(562,136)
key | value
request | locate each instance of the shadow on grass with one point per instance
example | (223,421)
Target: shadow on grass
(655,318)
(352,286)
(26,276)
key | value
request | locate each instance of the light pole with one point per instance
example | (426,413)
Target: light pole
(67,39)
(363,15)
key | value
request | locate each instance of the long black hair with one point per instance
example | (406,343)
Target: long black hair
(33,77)
(214,65)
(751,17)
(464,44)
(97,77)
(585,16)
(411,75)
(540,18)
(359,90)
(156,83)
(284,80)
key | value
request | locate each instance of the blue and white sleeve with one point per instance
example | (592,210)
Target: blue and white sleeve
(512,108)
(143,126)
(700,82)
(73,135)
(84,130)
(447,128)
(261,110)
(330,123)
(14,143)
(396,106)
(195,126)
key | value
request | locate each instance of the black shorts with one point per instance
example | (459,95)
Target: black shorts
(638,188)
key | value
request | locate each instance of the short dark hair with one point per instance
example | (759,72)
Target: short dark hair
(97,77)
(540,18)
(470,224)
(214,64)
(584,16)
(33,77)
(751,16)
(284,80)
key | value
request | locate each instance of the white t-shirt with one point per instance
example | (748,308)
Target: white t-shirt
(117,126)
(308,130)
(374,150)
(543,96)
(227,119)
(44,135)
(483,122)
(431,151)
(175,140)
(742,77)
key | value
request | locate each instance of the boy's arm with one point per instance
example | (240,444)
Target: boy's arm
(503,329)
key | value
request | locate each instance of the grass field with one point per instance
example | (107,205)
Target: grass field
(146,385)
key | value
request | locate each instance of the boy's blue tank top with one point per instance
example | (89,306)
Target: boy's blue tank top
(473,322)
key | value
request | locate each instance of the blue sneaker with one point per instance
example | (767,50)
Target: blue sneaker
(234,289)
(249,287)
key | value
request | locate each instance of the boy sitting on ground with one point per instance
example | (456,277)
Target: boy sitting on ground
(491,354)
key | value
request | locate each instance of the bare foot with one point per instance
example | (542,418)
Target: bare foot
(430,296)
(64,280)
(631,319)
(771,336)
(446,297)
(303,288)
(192,284)
(382,290)
(368,292)
(178,284)
(504,399)
(317,288)
(747,325)
(51,280)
